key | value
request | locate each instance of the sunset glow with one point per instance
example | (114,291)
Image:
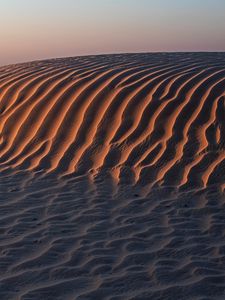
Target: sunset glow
(31,30)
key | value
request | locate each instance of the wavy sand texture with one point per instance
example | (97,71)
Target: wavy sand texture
(112,177)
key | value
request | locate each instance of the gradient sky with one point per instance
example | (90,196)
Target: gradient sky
(38,29)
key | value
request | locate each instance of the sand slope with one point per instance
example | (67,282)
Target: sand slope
(112,177)
(155,115)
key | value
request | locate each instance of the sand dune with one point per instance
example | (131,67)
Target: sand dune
(112,173)
(149,115)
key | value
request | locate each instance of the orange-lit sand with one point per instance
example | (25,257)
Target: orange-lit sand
(112,176)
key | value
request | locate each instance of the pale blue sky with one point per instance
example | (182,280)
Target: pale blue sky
(38,29)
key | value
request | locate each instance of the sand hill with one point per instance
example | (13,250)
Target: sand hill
(112,177)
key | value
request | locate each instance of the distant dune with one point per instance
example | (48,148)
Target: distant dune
(112,177)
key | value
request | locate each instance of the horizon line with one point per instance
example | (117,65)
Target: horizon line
(107,53)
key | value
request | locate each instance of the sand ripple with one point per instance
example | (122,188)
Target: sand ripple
(156,115)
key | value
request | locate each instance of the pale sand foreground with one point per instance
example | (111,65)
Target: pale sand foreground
(112,177)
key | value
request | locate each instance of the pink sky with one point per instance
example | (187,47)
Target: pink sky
(31,30)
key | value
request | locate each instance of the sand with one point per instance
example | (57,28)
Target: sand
(112,177)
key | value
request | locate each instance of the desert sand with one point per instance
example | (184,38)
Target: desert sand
(112,177)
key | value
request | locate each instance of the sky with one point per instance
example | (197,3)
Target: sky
(39,29)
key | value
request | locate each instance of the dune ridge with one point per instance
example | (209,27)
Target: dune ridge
(112,178)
